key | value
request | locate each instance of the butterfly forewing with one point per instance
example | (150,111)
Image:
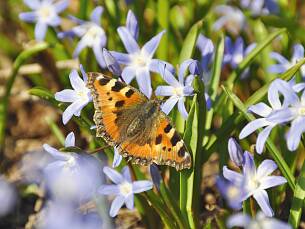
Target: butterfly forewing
(127,119)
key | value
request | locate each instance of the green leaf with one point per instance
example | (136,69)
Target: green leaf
(284,168)
(189,43)
(190,180)
(298,200)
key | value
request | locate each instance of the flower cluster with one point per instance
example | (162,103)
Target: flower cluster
(251,182)
(290,110)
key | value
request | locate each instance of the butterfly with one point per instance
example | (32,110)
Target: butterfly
(128,120)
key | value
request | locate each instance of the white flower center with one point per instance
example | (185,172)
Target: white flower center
(178,91)
(301,111)
(238,58)
(95,31)
(82,95)
(70,163)
(140,60)
(253,184)
(232,192)
(125,188)
(45,13)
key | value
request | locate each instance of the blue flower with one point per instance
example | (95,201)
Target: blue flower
(231,18)
(235,152)
(274,115)
(295,114)
(260,7)
(79,97)
(138,62)
(260,221)
(124,189)
(254,181)
(284,64)
(45,13)
(231,192)
(117,158)
(72,177)
(177,89)
(91,33)
(111,63)
(235,53)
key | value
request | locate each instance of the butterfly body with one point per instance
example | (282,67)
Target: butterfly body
(125,118)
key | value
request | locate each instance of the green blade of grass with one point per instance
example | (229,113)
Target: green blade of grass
(298,200)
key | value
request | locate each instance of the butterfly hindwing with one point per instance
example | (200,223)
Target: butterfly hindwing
(125,118)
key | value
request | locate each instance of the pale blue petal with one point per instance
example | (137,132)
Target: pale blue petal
(158,66)
(249,49)
(70,140)
(188,91)
(55,21)
(298,87)
(168,76)
(122,58)
(181,108)
(238,220)
(111,63)
(40,31)
(28,16)
(117,203)
(164,91)
(97,49)
(155,175)
(141,186)
(262,138)
(235,152)
(281,116)
(183,68)
(249,168)
(277,68)
(295,133)
(169,104)
(253,126)
(55,153)
(128,74)
(96,15)
(66,96)
(61,5)
(151,46)
(279,58)
(132,25)
(260,109)
(117,158)
(68,113)
(298,52)
(115,176)
(218,24)
(129,201)
(126,174)
(77,83)
(33,4)
(144,81)
(205,45)
(109,190)
(84,74)
(234,177)
(271,181)
(129,42)
(79,47)
(262,199)
(266,168)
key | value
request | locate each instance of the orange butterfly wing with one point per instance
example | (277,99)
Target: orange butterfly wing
(160,143)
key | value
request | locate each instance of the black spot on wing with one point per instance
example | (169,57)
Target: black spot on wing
(129,93)
(158,139)
(103,81)
(117,86)
(164,148)
(175,139)
(181,152)
(119,103)
(167,128)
